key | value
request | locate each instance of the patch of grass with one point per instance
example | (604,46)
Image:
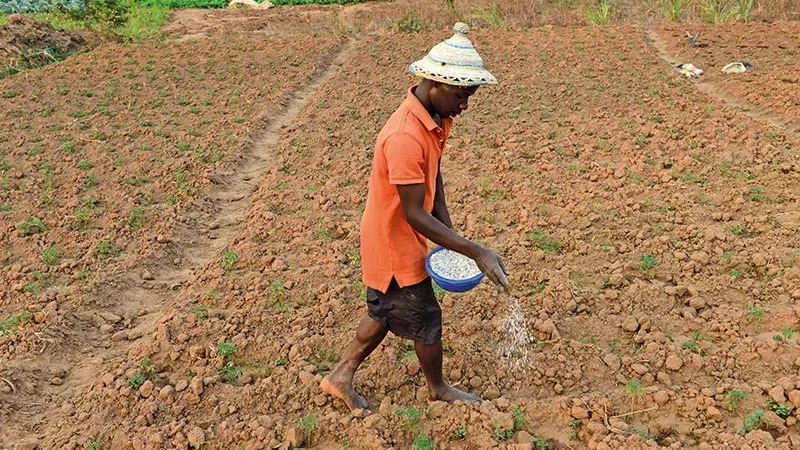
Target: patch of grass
(136,381)
(225,349)
(18,320)
(783,410)
(460,433)
(230,372)
(200,312)
(50,256)
(309,423)
(229,258)
(541,242)
(490,15)
(94,444)
(423,442)
(31,226)
(409,22)
(501,434)
(754,314)
(646,263)
(136,219)
(147,366)
(691,345)
(599,13)
(752,421)
(740,230)
(410,415)
(634,390)
(734,397)
(106,249)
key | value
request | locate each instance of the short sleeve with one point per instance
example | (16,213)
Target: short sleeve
(404,159)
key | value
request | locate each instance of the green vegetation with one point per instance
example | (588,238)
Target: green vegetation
(460,433)
(598,13)
(634,390)
(18,320)
(647,263)
(200,312)
(783,410)
(31,226)
(136,381)
(410,415)
(540,241)
(754,314)
(229,258)
(106,249)
(225,349)
(94,444)
(692,344)
(230,372)
(734,397)
(752,422)
(50,256)
(309,423)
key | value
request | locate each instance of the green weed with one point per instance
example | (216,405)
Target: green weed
(136,381)
(147,366)
(18,320)
(540,241)
(31,226)
(634,390)
(423,442)
(490,15)
(230,372)
(106,249)
(94,444)
(783,410)
(200,312)
(501,434)
(460,433)
(229,258)
(409,22)
(752,422)
(754,314)
(734,397)
(50,256)
(410,415)
(136,219)
(599,13)
(225,349)
(647,262)
(692,344)
(309,422)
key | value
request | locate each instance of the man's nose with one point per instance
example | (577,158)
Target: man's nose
(463,106)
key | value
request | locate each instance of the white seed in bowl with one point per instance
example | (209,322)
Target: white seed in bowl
(453,265)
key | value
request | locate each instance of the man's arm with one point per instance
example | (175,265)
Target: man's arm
(439,205)
(412,196)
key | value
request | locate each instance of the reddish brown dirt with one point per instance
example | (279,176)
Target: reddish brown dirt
(673,214)
(771,85)
(23,40)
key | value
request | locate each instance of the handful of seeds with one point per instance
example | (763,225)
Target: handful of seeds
(453,265)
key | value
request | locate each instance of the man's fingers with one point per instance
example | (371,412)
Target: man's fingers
(502,265)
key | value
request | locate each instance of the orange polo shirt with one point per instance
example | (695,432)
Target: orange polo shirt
(407,152)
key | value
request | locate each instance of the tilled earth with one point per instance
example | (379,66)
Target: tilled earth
(650,227)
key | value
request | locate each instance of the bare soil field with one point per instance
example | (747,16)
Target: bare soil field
(650,223)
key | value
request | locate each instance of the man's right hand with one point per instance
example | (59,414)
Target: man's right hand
(492,266)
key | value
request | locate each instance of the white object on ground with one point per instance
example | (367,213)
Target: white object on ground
(736,67)
(453,265)
(690,70)
(249,4)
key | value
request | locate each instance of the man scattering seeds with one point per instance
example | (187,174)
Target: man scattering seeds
(406,205)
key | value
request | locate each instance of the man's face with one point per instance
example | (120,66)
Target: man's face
(449,100)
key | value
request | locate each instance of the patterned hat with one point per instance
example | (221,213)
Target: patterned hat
(454,61)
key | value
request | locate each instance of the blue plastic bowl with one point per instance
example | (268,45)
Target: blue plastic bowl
(448,284)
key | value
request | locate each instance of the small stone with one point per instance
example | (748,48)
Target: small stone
(673,362)
(630,324)
(56,381)
(664,379)
(794,397)
(120,336)
(661,397)
(697,303)
(196,385)
(146,389)
(616,280)
(777,393)
(504,421)
(295,437)
(181,385)
(358,413)
(579,412)
(386,406)
(110,317)
(196,437)
(640,369)
(714,414)
(475,382)
(166,392)
(523,437)
(612,361)
(700,257)
(191,398)
(146,275)
(558,389)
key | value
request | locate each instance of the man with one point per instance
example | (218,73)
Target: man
(406,206)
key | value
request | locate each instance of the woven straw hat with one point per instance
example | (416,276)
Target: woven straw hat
(454,61)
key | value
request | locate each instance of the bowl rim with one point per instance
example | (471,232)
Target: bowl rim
(464,281)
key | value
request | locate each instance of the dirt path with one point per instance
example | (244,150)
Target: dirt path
(111,318)
(711,89)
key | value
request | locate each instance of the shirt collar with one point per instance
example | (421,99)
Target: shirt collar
(415,106)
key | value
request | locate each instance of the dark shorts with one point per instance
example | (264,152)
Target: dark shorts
(411,312)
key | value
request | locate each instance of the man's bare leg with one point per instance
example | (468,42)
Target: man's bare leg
(430,358)
(340,382)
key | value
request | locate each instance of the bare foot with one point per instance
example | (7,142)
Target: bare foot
(343,390)
(450,394)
